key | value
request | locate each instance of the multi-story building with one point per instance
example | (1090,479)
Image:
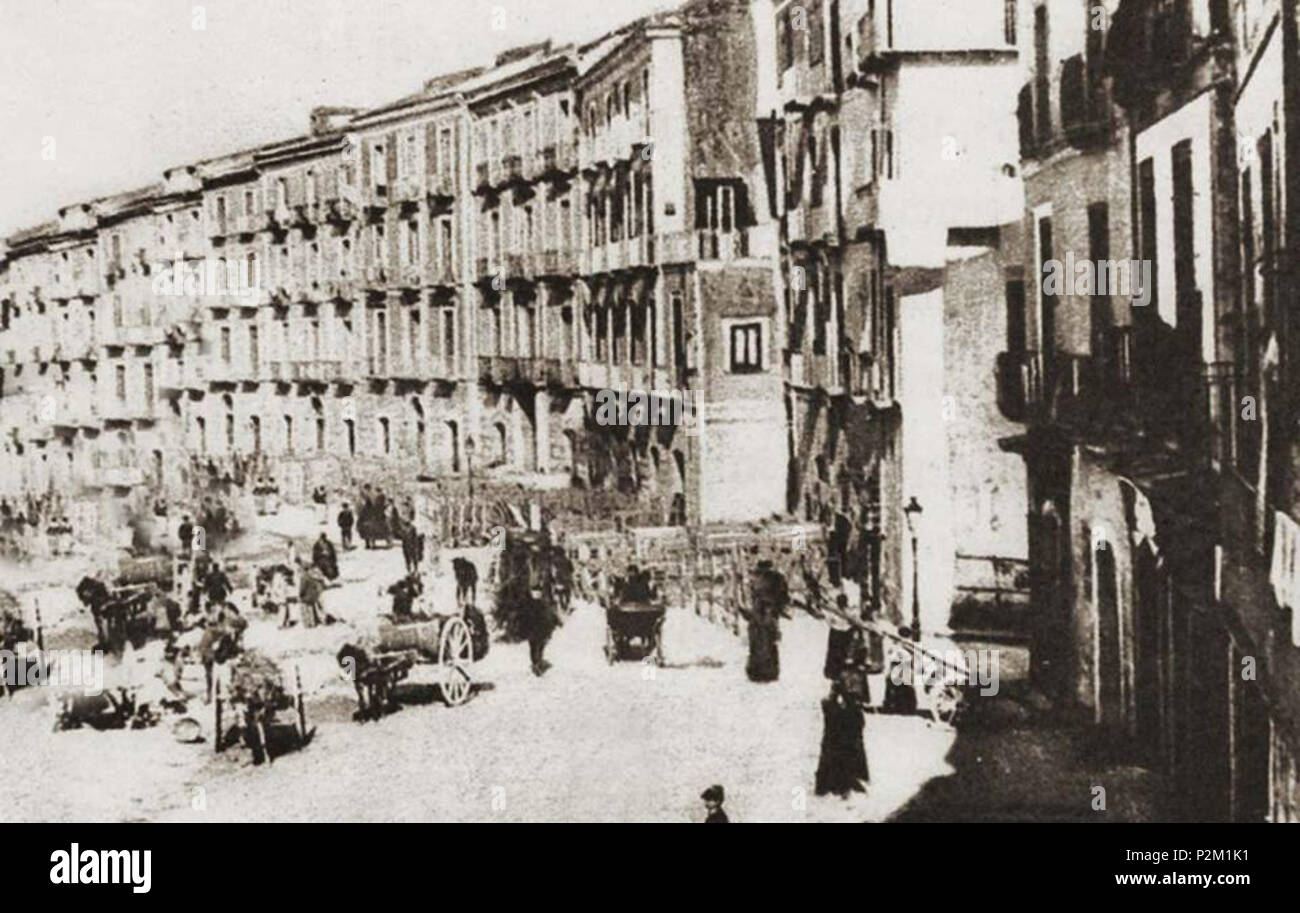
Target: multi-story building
(1257,457)
(879,168)
(445,286)
(679,258)
(1158,438)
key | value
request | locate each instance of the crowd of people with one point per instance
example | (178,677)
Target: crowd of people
(35,526)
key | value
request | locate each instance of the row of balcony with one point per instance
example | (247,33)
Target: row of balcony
(624,140)
(339,209)
(376,280)
(539,372)
(549,162)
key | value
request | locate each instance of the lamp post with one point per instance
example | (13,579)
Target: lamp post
(912,512)
(469,464)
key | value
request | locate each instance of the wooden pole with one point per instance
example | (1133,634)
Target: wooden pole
(216,712)
(299,704)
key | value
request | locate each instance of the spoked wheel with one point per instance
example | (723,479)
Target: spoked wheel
(455,654)
(611,647)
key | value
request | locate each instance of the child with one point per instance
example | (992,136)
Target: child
(713,798)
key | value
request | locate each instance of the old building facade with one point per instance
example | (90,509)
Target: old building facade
(1157,448)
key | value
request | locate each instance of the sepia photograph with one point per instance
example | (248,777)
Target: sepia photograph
(650,411)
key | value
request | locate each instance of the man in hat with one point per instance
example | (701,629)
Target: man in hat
(345,527)
(713,798)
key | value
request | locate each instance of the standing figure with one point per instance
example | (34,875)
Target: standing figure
(900,687)
(217,586)
(310,589)
(770,598)
(466,574)
(842,767)
(713,798)
(346,521)
(324,558)
(541,622)
(185,533)
(366,526)
(319,499)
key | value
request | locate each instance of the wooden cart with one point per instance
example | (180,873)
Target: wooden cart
(254,705)
(433,649)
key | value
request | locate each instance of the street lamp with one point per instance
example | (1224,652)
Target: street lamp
(912,512)
(469,462)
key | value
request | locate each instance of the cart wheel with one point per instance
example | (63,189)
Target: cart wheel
(455,654)
(611,647)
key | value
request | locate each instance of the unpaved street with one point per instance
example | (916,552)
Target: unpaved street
(587,742)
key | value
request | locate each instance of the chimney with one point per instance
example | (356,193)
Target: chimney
(326,120)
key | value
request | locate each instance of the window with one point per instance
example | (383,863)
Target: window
(282,192)
(449,332)
(378,165)
(412,242)
(1009,21)
(385,439)
(445,247)
(445,164)
(784,40)
(248,202)
(119,375)
(1042,86)
(1099,253)
(225,345)
(409,167)
(746,348)
(816,33)
(288,434)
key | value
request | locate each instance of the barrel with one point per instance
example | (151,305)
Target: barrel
(423,636)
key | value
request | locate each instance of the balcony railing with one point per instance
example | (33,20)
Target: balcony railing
(1085,109)
(500,370)
(512,169)
(722,245)
(341,210)
(558,159)
(442,187)
(1019,384)
(557,263)
(280,217)
(407,191)
(314,370)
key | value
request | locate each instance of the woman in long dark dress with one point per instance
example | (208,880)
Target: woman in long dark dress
(770,597)
(842,768)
